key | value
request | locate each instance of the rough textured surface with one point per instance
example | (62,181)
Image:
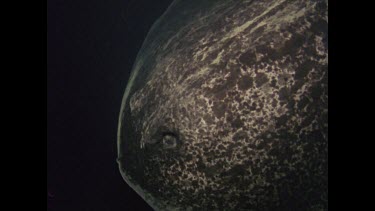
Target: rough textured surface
(227,108)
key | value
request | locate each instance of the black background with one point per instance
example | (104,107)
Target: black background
(91,47)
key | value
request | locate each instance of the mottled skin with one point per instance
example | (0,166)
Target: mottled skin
(226,108)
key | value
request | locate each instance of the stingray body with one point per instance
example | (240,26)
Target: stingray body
(226,108)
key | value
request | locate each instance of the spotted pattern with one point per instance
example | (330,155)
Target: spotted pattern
(227,108)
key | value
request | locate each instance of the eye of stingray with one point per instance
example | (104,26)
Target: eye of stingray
(169,140)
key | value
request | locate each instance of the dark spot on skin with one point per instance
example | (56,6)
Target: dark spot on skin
(325,41)
(213,55)
(196,84)
(320,26)
(304,69)
(273,83)
(210,153)
(219,109)
(200,165)
(224,132)
(310,49)
(284,94)
(259,121)
(290,47)
(259,30)
(281,121)
(253,106)
(236,170)
(209,120)
(183,111)
(238,156)
(262,144)
(291,104)
(316,92)
(221,147)
(307,121)
(221,95)
(213,170)
(219,91)
(228,43)
(189,157)
(232,93)
(302,103)
(261,79)
(237,123)
(231,81)
(321,6)
(246,104)
(237,98)
(240,135)
(200,102)
(263,49)
(245,83)
(297,85)
(248,58)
